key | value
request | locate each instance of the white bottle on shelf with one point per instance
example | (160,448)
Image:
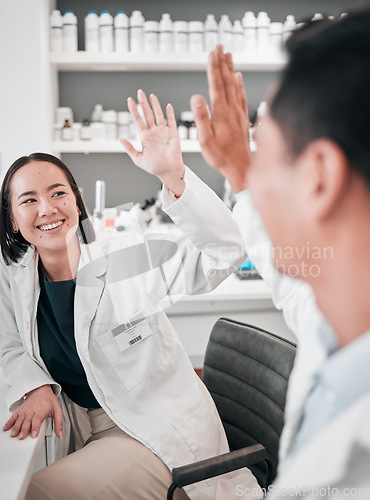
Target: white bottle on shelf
(263,32)
(210,33)
(136,31)
(151,29)
(110,120)
(289,27)
(226,33)
(180,36)
(121,29)
(97,114)
(124,119)
(249,23)
(238,36)
(69,32)
(56,31)
(106,32)
(165,34)
(276,38)
(196,37)
(92,32)
(317,17)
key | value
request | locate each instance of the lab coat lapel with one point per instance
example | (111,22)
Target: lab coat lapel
(27,281)
(89,285)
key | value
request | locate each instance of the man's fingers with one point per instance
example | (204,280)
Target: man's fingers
(131,151)
(228,77)
(158,113)
(139,122)
(216,86)
(201,117)
(242,97)
(147,110)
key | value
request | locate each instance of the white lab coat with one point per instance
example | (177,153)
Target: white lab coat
(149,389)
(341,449)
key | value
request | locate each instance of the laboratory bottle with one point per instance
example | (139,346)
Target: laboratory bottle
(317,17)
(67,133)
(210,33)
(56,31)
(124,119)
(238,36)
(226,33)
(165,34)
(69,32)
(110,120)
(182,130)
(151,29)
(85,130)
(106,31)
(196,37)
(136,31)
(92,32)
(180,36)
(263,32)
(249,23)
(97,114)
(276,38)
(121,29)
(289,27)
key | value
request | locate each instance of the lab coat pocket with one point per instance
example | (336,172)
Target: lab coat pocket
(132,349)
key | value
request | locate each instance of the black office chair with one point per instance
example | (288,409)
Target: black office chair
(246,370)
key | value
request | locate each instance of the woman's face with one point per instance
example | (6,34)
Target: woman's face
(43,206)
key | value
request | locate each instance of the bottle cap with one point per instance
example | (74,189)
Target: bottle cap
(187,116)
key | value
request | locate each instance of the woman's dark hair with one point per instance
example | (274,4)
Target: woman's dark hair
(13,245)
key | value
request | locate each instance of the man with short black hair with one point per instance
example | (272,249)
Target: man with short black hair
(310,181)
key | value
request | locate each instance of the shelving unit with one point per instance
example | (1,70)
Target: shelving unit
(138,62)
(87,147)
(85,61)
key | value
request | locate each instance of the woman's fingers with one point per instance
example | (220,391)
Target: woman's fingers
(58,420)
(131,151)
(157,110)
(171,119)
(139,122)
(147,110)
(18,424)
(9,424)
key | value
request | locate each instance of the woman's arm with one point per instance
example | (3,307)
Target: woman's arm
(23,375)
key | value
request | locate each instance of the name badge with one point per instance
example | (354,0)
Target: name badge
(129,334)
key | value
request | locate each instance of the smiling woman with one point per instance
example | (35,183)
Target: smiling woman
(37,190)
(100,345)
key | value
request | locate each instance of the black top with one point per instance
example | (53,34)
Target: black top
(55,320)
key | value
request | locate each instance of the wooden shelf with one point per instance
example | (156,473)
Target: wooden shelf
(86,61)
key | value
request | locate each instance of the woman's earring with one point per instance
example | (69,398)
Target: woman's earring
(15,229)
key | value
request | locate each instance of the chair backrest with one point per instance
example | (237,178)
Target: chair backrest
(246,369)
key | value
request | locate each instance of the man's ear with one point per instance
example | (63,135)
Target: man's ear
(326,176)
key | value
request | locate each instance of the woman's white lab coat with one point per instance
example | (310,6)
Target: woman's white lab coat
(134,362)
(338,456)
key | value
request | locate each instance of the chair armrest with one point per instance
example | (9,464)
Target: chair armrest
(215,466)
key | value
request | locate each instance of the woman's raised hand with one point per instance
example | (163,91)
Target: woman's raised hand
(161,149)
(28,417)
